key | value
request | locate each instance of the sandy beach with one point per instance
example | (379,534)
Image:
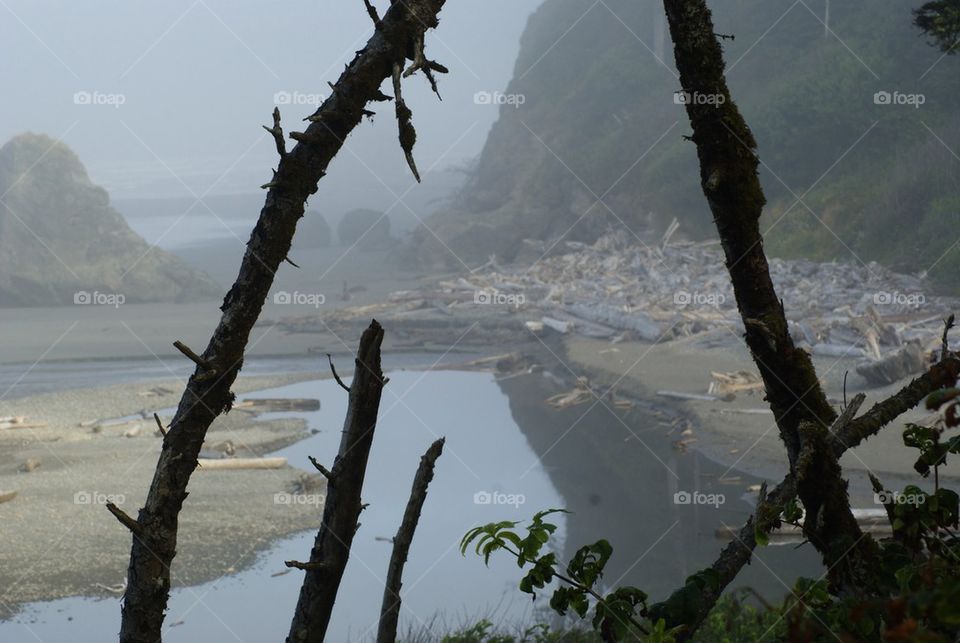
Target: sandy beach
(57,543)
(741,433)
(59,540)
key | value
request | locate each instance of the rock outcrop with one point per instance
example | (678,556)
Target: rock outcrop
(61,241)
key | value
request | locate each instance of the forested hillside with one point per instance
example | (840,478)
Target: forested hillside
(600,119)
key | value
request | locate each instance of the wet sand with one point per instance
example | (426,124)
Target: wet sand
(59,540)
(742,433)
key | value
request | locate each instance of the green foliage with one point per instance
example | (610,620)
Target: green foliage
(616,615)
(940,20)
(918,580)
(484,632)
(732,620)
(600,101)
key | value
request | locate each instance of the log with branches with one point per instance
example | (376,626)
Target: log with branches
(398,35)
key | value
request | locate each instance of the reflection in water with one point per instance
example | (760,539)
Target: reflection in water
(619,474)
(507,455)
(485,458)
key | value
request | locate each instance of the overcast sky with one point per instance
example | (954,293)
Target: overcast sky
(197,78)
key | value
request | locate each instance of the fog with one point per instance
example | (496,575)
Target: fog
(648,298)
(186,85)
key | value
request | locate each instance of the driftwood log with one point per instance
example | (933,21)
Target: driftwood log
(213,464)
(399,32)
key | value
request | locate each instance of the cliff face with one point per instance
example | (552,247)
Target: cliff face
(599,118)
(59,236)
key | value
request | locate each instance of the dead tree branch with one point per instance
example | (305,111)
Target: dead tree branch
(390,610)
(408,133)
(729,178)
(847,432)
(942,374)
(342,505)
(277,132)
(333,369)
(372,12)
(205,397)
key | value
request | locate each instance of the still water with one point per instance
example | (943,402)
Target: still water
(507,455)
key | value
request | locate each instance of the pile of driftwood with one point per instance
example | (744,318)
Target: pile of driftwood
(617,288)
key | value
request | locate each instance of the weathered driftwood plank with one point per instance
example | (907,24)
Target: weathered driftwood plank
(211,464)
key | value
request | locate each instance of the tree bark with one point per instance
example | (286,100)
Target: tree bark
(208,394)
(390,609)
(728,175)
(342,505)
(728,171)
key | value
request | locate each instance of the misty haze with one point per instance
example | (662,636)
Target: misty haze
(516,321)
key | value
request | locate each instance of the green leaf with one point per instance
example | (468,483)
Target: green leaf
(761,536)
(938,398)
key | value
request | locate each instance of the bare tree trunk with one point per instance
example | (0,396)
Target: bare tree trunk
(342,505)
(207,395)
(390,610)
(728,175)
(728,172)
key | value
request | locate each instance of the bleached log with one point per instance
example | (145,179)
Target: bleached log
(680,395)
(209,464)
